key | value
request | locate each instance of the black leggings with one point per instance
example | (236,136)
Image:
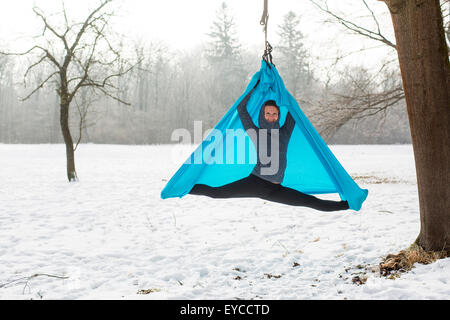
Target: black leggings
(255,187)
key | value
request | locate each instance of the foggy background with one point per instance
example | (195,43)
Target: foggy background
(196,59)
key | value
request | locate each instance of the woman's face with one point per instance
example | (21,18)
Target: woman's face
(271,114)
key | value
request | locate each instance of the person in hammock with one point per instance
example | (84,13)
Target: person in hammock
(263,182)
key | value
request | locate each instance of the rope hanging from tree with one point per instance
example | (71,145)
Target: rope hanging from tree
(267,57)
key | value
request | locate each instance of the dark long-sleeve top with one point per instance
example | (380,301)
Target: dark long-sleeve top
(285,133)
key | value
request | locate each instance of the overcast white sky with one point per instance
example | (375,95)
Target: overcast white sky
(183,24)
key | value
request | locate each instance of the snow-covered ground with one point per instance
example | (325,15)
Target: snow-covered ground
(111,235)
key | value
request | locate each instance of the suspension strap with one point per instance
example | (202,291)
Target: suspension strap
(267,56)
(265,19)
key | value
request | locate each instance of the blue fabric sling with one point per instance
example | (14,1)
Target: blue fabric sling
(227,154)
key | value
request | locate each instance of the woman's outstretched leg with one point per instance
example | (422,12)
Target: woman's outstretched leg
(255,187)
(296,198)
(249,187)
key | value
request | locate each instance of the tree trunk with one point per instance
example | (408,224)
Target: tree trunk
(70,154)
(425,69)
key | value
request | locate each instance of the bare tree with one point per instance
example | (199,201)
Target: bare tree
(363,98)
(332,113)
(80,55)
(423,55)
(425,68)
(359,94)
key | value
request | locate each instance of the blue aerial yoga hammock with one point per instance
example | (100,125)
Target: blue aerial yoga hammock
(311,167)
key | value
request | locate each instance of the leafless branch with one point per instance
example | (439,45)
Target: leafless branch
(65,17)
(34,65)
(83,111)
(86,23)
(361,96)
(49,27)
(114,97)
(374,35)
(47,52)
(41,85)
(27,279)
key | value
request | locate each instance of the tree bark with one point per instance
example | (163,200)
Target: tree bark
(424,64)
(70,154)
